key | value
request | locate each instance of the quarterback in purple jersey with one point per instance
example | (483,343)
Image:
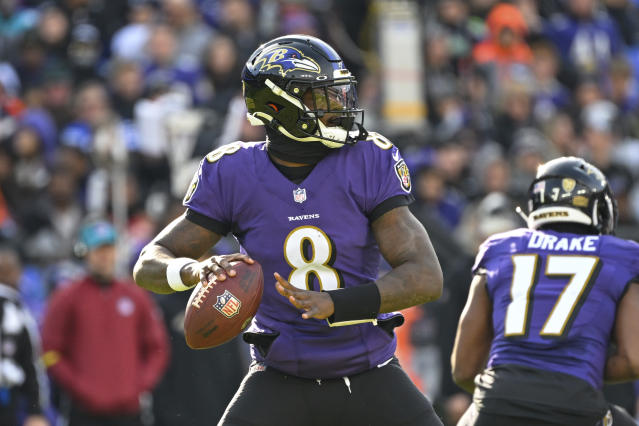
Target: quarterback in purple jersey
(553,310)
(317,205)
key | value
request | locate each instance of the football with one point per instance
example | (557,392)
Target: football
(220,310)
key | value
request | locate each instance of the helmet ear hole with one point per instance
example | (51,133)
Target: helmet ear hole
(275,107)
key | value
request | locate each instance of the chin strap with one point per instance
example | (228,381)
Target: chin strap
(521,213)
(278,91)
(269,121)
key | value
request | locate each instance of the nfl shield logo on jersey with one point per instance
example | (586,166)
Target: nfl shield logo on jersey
(228,304)
(299,195)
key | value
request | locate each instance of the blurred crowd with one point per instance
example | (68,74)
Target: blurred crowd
(106,108)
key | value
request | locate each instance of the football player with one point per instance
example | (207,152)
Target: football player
(316,204)
(544,305)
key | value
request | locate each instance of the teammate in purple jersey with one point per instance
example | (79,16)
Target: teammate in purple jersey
(546,304)
(316,204)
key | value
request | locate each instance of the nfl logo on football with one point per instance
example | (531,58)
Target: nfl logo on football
(227,304)
(299,195)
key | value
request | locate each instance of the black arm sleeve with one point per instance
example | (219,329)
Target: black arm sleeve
(389,204)
(211,224)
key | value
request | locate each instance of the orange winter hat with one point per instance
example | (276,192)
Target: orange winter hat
(505,15)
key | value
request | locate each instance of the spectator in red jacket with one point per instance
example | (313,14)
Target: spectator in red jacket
(104,344)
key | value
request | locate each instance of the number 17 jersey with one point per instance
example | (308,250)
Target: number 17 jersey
(316,234)
(555,298)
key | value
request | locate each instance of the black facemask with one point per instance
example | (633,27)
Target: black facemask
(287,149)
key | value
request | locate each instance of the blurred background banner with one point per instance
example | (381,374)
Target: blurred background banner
(400,58)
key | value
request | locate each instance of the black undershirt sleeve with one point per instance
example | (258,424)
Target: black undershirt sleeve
(389,204)
(211,224)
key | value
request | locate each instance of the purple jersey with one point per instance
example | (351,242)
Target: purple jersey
(317,234)
(555,297)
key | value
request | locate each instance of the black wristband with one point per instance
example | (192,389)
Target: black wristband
(355,303)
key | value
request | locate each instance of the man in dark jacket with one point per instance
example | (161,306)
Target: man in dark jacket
(21,375)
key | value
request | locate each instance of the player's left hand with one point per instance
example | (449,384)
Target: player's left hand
(316,303)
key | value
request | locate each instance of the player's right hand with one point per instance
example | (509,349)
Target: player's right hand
(217,267)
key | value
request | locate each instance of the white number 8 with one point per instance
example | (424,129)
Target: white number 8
(319,264)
